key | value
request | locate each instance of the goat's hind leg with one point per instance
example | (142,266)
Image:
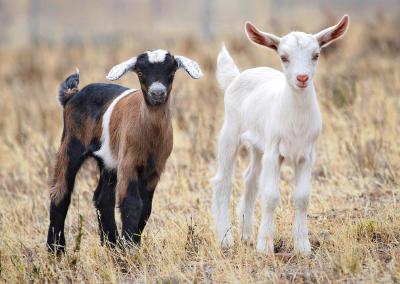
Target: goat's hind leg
(245,208)
(222,183)
(104,200)
(69,159)
(270,196)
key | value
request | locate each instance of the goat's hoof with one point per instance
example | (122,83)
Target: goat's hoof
(56,249)
(302,247)
(265,246)
(246,232)
(227,241)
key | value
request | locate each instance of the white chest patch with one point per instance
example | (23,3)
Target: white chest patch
(104,152)
(156,56)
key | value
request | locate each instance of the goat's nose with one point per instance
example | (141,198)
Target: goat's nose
(302,78)
(158,93)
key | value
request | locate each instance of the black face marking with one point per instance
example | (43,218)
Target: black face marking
(158,72)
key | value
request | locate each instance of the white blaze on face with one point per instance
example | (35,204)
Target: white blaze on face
(110,162)
(156,56)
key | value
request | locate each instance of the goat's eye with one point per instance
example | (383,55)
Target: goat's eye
(285,59)
(315,56)
(140,74)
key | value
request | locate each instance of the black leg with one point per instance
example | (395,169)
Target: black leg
(147,198)
(131,211)
(104,200)
(55,236)
(59,208)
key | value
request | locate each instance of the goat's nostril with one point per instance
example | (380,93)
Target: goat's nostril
(302,78)
(158,93)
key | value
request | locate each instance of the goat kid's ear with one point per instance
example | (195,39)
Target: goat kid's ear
(119,70)
(325,37)
(190,66)
(259,37)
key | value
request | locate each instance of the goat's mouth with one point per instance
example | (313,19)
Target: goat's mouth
(302,85)
(156,101)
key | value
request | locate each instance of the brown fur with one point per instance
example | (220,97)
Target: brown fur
(139,133)
(85,132)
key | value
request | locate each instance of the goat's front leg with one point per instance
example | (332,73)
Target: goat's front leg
(270,196)
(104,200)
(301,197)
(131,205)
(146,193)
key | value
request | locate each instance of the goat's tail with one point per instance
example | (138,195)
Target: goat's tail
(227,70)
(68,88)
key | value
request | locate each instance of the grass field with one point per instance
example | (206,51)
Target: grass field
(354,217)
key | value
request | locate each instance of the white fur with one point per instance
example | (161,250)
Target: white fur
(278,120)
(104,152)
(190,66)
(118,70)
(156,56)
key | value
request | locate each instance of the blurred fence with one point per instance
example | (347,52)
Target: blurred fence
(24,22)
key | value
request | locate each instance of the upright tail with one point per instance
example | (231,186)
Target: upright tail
(68,88)
(227,70)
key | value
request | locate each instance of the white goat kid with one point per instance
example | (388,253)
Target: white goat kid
(277,115)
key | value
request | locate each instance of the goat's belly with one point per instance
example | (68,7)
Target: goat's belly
(251,139)
(294,152)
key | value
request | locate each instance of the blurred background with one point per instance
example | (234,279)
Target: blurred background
(25,22)
(354,212)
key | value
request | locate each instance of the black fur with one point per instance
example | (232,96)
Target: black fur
(163,73)
(104,201)
(70,85)
(137,205)
(131,211)
(58,212)
(91,102)
(147,199)
(92,99)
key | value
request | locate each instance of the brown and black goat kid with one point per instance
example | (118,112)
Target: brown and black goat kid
(128,132)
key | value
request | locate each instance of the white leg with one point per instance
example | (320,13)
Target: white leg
(270,196)
(222,184)
(245,208)
(301,199)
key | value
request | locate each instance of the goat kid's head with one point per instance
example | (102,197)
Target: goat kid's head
(156,70)
(298,51)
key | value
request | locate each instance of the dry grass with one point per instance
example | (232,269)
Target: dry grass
(354,214)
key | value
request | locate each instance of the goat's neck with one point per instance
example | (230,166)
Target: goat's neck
(299,99)
(156,116)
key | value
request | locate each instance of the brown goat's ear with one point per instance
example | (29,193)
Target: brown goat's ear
(333,33)
(190,66)
(259,37)
(119,70)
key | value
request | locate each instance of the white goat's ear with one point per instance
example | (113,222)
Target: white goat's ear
(259,37)
(190,66)
(333,33)
(119,70)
